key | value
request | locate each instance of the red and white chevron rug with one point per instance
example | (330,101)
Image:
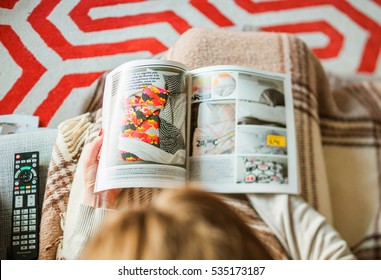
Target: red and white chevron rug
(52,52)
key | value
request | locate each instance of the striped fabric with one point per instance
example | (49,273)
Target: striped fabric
(351,135)
(52,52)
(72,135)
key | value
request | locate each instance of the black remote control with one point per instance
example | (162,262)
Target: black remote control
(25,216)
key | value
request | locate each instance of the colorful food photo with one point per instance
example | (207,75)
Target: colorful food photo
(262,170)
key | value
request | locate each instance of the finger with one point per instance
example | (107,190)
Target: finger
(93,150)
(108,198)
(99,154)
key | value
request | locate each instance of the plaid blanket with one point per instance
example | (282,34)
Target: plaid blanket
(337,126)
(351,134)
(338,139)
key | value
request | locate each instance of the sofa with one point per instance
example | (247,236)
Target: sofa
(41,140)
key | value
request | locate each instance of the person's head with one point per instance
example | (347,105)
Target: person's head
(180,224)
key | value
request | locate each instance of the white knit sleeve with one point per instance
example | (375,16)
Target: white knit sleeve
(302,231)
(89,220)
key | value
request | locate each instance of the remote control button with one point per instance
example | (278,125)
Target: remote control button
(24,247)
(17,166)
(32,236)
(32,210)
(31,200)
(25,167)
(16,243)
(32,216)
(16,218)
(27,191)
(32,241)
(18,201)
(24,228)
(24,236)
(24,242)
(24,223)
(16,212)
(16,237)
(32,222)
(16,229)
(16,224)
(24,211)
(24,217)
(18,156)
(22,192)
(23,161)
(34,164)
(32,228)
(29,160)
(26,176)
(34,155)
(34,182)
(32,246)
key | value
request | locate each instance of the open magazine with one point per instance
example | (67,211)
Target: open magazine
(225,128)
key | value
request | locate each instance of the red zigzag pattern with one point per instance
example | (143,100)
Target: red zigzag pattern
(55,39)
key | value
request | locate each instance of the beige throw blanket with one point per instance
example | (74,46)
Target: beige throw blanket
(338,137)
(338,130)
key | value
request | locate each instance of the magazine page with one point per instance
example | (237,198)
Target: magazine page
(242,131)
(144,119)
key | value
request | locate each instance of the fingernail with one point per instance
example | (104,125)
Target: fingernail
(100,132)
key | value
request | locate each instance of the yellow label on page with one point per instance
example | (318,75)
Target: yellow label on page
(276,141)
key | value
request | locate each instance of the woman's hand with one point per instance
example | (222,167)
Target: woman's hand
(103,199)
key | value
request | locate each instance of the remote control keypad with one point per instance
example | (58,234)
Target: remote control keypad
(24,242)
(25,221)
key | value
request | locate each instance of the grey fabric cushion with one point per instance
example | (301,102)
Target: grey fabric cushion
(41,140)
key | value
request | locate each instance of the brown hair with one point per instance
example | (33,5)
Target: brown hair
(180,224)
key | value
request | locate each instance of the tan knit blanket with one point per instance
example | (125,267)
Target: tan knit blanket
(338,139)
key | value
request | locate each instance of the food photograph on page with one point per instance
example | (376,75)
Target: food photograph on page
(151,117)
(263,170)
